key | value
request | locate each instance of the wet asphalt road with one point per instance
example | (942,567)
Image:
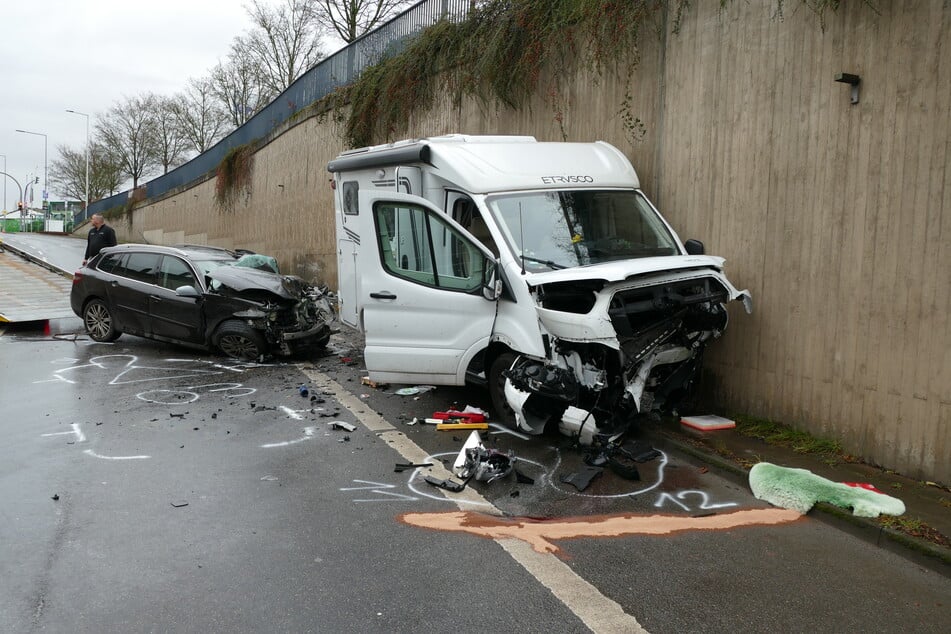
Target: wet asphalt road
(200,494)
(194,493)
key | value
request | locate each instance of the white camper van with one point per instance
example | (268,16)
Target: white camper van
(540,269)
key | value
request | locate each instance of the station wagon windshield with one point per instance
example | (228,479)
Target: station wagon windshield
(561,229)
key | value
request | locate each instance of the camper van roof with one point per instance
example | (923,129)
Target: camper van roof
(483,164)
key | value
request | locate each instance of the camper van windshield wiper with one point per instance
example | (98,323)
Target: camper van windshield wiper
(548,263)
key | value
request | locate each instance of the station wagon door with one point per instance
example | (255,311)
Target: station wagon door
(422,277)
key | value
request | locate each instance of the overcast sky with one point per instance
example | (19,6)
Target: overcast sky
(85,55)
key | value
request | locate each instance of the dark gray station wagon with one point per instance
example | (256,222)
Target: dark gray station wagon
(203,297)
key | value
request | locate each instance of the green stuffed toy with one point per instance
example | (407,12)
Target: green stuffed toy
(800,489)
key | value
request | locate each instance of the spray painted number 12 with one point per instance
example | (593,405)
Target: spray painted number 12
(705,504)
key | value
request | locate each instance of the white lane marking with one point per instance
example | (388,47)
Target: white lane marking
(308,434)
(95,455)
(597,611)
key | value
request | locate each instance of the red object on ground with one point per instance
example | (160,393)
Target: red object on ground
(863,485)
(468,417)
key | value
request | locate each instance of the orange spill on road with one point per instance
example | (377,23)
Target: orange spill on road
(539,532)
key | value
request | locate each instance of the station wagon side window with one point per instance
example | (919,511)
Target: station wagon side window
(418,245)
(139,266)
(109,262)
(174,272)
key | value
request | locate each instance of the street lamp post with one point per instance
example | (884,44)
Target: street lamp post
(19,187)
(86,202)
(45,184)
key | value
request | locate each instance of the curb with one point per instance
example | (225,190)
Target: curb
(934,556)
(35,260)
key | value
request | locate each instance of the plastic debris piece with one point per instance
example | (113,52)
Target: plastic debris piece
(339,424)
(403,466)
(303,390)
(448,485)
(485,465)
(55,497)
(179,504)
(581,479)
(474,440)
(269,478)
(407,391)
(374,384)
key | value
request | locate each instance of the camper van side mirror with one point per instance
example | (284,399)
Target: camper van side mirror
(694,247)
(491,283)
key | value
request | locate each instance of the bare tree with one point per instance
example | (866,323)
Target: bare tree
(284,43)
(68,173)
(201,120)
(352,18)
(105,172)
(171,143)
(127,130)
(238,85)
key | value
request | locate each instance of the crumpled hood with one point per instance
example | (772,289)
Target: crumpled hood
(620,270)
(243,279)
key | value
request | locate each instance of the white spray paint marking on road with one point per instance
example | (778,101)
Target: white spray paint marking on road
(679,497)
(90,452)
(308,434)
(293,413)
(80,437)
(502,429)
(377,487)
(597,611)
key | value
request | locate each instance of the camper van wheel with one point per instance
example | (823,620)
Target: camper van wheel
(501,409)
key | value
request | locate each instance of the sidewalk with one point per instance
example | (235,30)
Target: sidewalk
(927,504)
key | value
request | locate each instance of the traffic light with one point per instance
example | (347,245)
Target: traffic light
(37,180)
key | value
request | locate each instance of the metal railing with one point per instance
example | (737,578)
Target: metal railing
(339,69)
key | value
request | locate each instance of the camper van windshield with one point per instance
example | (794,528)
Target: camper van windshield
(561,229)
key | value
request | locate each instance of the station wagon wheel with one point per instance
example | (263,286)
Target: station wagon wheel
(496,380)
(239,340)
(99,323)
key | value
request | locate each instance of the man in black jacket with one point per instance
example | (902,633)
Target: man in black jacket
(101,235)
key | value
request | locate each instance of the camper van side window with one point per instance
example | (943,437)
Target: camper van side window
(351,204)
(420,246)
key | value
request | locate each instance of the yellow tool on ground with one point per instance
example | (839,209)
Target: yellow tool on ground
(443,426)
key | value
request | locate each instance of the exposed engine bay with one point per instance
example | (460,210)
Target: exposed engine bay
(642,355)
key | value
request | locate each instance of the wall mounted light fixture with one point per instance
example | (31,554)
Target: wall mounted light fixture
(852,80)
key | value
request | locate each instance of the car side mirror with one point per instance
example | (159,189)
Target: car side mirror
(694,247)
(187,291)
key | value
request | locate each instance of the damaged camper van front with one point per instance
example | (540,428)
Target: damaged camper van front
(539,269)
(625,310)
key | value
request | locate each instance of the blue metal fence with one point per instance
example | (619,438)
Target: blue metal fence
(340,69)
